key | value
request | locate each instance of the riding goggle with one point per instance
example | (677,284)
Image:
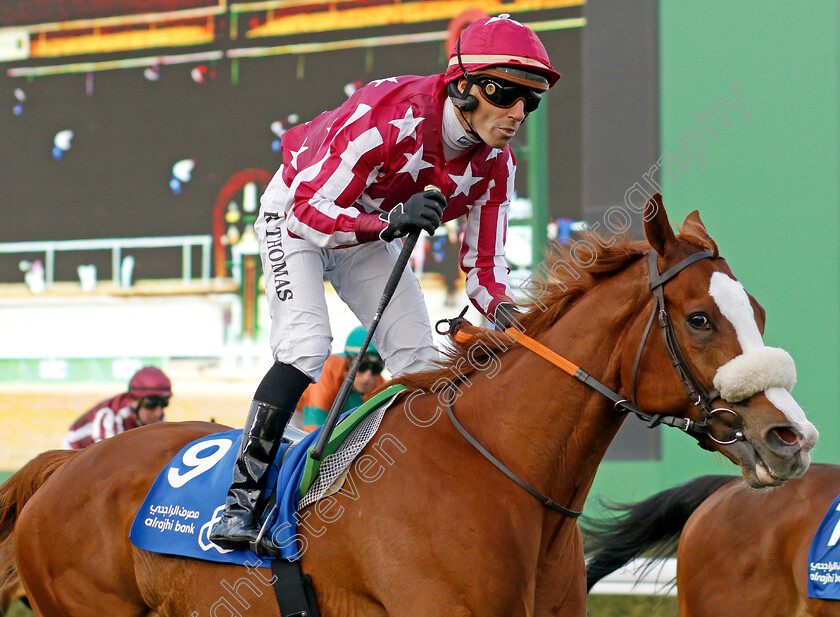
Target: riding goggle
(153,402)
(504,94)
(374,366)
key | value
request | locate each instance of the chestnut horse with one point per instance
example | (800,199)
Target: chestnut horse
(741,551)
(438,530)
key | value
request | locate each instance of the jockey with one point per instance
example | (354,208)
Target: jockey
(149,391)
(350,186)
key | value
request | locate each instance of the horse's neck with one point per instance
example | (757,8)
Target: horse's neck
(553,429)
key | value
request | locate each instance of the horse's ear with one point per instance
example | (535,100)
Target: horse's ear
(657,227)
(693,226)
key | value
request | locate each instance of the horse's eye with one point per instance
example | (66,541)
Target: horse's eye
(700,321)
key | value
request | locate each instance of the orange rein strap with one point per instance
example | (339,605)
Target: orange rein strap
(622,405)
(458,328)
(543,352)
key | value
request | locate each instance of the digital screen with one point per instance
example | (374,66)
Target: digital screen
(140,142)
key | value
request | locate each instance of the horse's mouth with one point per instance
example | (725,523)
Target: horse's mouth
(759,474)
(765,475)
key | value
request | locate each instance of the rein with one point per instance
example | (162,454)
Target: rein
(546,501)
(698,394)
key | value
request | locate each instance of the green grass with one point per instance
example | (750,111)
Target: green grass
(632,606)
(17,609)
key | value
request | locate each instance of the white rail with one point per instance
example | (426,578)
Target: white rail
(116,246)
(634,580)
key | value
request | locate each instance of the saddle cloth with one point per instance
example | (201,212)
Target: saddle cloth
(824,557)
(189,494)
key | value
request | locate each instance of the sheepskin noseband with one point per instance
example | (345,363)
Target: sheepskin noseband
(755,371)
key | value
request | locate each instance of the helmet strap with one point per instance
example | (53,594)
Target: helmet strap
(135,407)
(470,131)
(461,64)
(466,93)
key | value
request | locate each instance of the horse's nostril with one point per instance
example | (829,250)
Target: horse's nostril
(786,435)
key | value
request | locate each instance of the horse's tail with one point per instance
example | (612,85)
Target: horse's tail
(14,493)
(651,527)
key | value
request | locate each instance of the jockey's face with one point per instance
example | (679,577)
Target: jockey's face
(150,410)
(495,125)
(367,378)
(365,381)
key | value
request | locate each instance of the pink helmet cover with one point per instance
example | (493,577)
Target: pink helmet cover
(150,381)
(499,41)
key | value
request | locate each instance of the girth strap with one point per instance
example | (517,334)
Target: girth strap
(546,501)
(293,589)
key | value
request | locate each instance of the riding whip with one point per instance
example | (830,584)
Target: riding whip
(390,287)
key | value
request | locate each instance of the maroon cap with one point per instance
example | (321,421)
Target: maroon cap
(499,41)
(150,381)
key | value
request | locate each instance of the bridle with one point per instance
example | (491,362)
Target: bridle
(699,395)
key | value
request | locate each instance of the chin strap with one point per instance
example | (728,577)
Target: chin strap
(470,131)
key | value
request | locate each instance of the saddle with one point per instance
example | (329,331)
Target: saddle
(188,496)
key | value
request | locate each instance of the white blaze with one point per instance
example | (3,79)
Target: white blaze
(734,305)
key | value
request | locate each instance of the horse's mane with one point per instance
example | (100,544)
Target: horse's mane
(561,282)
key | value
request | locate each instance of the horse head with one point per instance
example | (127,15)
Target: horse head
(712,334)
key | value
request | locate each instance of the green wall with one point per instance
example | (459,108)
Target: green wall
(766,188)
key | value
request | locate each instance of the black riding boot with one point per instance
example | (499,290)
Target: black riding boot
(239,525)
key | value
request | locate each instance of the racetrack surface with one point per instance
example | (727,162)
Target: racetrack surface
(34,418)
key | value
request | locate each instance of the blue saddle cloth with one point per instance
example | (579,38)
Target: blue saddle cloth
(188,496)
(824,557)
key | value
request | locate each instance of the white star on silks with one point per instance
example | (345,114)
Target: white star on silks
(371,202)
(407,126)
(494,152)
(376,82)
(295,155)
(415,164)
(465,182)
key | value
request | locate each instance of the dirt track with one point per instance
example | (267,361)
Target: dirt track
(34,418)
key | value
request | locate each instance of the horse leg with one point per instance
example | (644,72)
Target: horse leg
(11,592)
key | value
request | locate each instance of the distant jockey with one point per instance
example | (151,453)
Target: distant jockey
(148,395)
(318,397)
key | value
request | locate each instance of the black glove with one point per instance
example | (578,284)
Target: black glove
(422,210)
(505,316)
